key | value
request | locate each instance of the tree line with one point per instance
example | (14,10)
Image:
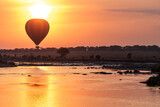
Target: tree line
(90,48)
(61,51)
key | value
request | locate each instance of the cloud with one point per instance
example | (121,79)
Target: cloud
(146,11)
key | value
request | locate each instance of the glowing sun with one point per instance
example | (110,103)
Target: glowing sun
(40,11)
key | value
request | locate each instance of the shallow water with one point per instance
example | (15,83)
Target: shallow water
(28,86)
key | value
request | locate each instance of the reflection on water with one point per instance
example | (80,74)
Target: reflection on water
(66,87)
(35,97)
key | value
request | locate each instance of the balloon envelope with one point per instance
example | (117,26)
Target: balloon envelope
(37,30)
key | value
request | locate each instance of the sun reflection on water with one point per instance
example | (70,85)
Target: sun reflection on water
(49,87)
(40,91)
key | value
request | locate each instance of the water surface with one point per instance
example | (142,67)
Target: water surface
(57,86)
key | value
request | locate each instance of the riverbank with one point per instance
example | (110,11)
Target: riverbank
(7,64)
(102,64)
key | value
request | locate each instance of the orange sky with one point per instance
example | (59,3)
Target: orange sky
(81,22)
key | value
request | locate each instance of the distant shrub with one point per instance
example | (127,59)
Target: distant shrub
(92,57)
(153,81)
(98,57)
(63,52)
(11,63)
(156,68)
(129,56)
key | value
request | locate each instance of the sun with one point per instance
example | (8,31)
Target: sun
(40,11)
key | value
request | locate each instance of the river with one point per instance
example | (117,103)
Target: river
(67,86)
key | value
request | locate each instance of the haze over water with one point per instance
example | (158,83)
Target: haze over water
(57,86)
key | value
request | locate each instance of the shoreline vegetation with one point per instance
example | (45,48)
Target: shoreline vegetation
(114,57)
(131,68)
(154,81)
(103,64)
(7,64)
(113,53)
(129,58)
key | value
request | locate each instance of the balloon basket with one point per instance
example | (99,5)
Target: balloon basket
(37,47)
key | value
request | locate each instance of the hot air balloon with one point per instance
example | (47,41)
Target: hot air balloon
(37,30)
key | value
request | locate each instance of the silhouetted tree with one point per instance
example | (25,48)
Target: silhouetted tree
(8,56)
(91,57)
(63,52)
(83,57)
(4,57)
(154,57)
(24,56)
(98,57)
(39,56)
(129,56)
(31,57)
(156,68)
(0,56)
(43,57)
(15,56)
(49,56)
(115,48)
(80,48)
